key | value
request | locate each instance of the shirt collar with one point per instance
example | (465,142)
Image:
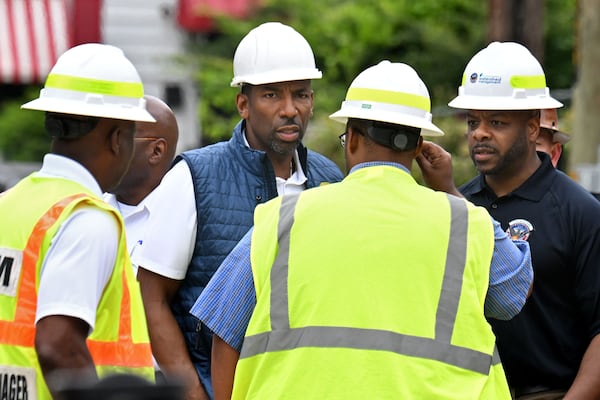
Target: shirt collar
(63,167)
(378,163)
(125,209)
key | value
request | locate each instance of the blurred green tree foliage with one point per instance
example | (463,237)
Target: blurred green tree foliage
(436,38)
(22,137)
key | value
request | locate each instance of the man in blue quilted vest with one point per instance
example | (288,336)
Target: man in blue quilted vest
(210,194)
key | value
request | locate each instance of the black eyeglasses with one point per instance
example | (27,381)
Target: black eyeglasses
(342,138)
(146,138)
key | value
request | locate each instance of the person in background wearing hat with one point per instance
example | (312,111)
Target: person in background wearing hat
(70,307)
(551,348)
(551,140)
(371,288)
(212,192)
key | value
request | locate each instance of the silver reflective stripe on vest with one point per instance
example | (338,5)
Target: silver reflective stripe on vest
(280,318)
(456,256)
(282,337)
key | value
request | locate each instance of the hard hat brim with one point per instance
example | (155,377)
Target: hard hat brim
(90,110)
(558,136)
(277,76)
(494,103)
(427,128)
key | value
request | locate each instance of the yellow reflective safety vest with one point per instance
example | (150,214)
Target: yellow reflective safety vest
(31,214)
(372,288)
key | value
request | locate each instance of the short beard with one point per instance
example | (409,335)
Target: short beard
(513,158)
(284,149)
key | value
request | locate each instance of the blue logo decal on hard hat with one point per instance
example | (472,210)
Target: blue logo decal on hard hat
(367,106)
(473,77)
(519,229)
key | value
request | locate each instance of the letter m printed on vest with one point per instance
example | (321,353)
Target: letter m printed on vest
(10,269)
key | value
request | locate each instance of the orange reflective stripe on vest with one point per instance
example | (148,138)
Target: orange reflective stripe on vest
(21,331)
(111,353)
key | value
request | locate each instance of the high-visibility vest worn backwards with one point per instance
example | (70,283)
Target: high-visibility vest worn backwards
(372,288)
(31,214)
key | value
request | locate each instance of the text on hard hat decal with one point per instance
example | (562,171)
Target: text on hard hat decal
(486,79)
(387,96)
(98,86)
(528,82)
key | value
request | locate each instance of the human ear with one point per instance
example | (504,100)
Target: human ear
(115,137)
(241,101)
(533,128)
(352,140)
(555,153)
(157,151)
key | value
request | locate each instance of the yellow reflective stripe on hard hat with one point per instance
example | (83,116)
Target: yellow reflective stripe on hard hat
(387,96)
(528,81)
(98,86)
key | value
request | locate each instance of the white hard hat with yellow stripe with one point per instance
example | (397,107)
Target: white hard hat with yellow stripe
(389,92)
(94,80)
(504,76)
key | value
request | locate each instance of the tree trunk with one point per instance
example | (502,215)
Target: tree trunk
(586,99)
(520,21)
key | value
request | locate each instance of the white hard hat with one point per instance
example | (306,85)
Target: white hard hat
(273,52)
(504,76)
(389,92)
(95,80)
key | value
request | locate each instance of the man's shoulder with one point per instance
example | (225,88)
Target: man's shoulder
(206,157)
(471,187)
(323,168)
(568,190)
(319,159)
(210,150)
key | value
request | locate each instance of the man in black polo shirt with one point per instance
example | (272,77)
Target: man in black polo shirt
(552,347)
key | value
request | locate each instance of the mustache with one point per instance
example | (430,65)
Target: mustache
(487,147)
(290,122)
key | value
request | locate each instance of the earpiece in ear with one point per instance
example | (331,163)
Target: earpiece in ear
(69,128)
(55,127)
(399,141)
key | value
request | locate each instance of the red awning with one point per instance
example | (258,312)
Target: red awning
(198,15)
(33,33)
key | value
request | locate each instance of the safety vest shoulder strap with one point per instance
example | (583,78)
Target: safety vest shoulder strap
(27,292)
